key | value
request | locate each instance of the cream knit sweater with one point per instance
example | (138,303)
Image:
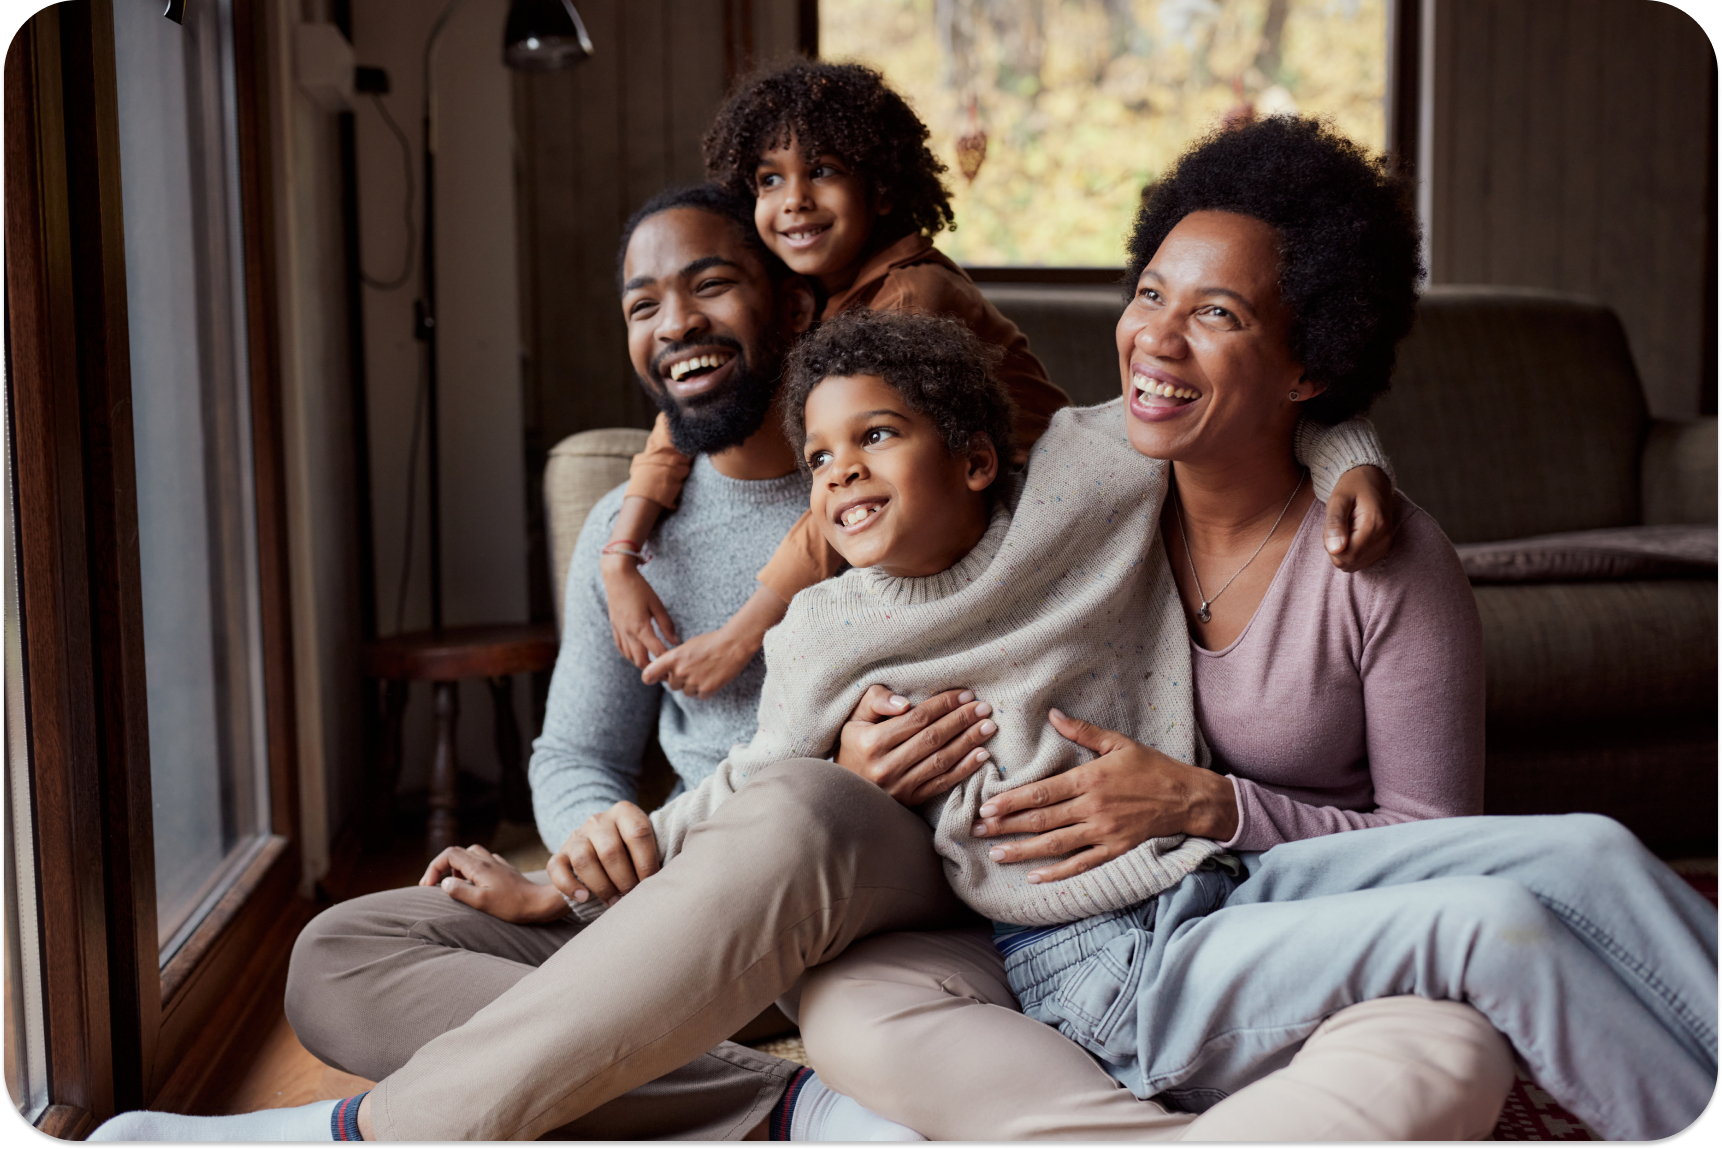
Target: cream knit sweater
(1068,602)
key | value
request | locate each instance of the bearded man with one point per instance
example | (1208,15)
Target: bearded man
(401,982)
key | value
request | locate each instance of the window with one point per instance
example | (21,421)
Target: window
(1085,102)
(153,790)
(191,428)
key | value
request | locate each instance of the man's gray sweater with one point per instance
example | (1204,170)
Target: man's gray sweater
(600,715)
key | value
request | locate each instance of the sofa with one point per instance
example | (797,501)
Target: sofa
(1515,415)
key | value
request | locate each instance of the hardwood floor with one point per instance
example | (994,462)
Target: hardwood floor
(283,1074)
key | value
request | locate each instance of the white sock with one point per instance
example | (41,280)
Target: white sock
(822,1114)
(303,1123)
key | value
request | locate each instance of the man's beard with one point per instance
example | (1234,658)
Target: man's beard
(727,417)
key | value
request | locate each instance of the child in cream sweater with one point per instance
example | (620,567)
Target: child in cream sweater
(1039,590)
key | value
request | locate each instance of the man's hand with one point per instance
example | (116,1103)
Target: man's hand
(1360,523)
(1106,808)
(490,883)
(607,856)
(633,606)
(914,753)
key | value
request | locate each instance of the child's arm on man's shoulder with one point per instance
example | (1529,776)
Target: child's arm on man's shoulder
(660,471)
(655,480)
(1353,475)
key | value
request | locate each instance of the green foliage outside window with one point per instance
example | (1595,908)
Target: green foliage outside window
(1083,102)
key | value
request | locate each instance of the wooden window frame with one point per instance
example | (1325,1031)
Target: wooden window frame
(124,1031)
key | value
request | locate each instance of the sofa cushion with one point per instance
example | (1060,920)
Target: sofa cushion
(1584,556)
(1515,412)
(1070,327)
(1680,471)
(1583,653)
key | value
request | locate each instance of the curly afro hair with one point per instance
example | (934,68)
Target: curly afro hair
(939,367)
(845,110)
(1349,244)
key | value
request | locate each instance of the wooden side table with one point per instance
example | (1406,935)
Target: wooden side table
(444,658)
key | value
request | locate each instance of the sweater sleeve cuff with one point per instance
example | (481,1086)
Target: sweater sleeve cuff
(585,912)
(1243,814)
(1329,452)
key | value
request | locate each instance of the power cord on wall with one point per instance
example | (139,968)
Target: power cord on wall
(374,82)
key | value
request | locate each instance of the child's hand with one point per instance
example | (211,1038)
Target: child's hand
(486,882)
(606,856)
(706,663)
(633,606)
(1360,524)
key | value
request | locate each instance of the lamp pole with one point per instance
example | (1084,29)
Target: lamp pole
(425,320)
(542,35)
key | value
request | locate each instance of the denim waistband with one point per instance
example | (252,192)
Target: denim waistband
(1034,961)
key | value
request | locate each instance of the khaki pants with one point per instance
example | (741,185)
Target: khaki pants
(922,1028)
(481,1032)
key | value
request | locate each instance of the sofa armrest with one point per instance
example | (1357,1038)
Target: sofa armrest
(1679,475)
(582,469)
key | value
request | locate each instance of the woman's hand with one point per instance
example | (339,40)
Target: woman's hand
(1106,808)
(607,856)
(914,753)
(633,605)
(490,883)
(1360,524)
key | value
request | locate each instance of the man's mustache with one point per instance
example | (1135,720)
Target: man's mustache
(686,345)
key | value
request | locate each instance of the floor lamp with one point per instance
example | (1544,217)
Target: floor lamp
(540,36)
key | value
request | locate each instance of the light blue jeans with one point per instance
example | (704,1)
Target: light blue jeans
(1594,959)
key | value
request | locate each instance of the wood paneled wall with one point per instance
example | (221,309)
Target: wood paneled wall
(594,143)
(1571,144)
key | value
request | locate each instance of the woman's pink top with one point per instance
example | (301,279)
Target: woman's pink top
(1350,700)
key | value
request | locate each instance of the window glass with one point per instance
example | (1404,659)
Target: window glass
(1084,102)
(26,1045)
(192,434)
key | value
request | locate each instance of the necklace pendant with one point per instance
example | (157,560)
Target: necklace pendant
(1203,614)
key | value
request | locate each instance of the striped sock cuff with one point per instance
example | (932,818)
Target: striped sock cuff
(777,1128)
(344,1119)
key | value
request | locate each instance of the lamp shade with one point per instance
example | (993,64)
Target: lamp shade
(544,36)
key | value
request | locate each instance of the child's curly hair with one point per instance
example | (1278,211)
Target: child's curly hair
(1349,262)
(845,110)
(940,368)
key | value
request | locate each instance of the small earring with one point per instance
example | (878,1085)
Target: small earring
(1294,396)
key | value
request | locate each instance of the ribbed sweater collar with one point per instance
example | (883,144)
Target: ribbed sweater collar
(931,588)
(707,480)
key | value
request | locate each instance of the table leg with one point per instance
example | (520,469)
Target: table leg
(516,793)
(443,825)
(386,771)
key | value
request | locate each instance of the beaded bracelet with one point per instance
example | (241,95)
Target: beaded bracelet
(627,547)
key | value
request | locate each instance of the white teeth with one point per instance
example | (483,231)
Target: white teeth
(678,370)
(1165,390)
(856,514)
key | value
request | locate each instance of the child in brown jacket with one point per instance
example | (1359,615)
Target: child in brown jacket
(848,195)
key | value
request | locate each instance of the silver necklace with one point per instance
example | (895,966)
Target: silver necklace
(1178,509)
